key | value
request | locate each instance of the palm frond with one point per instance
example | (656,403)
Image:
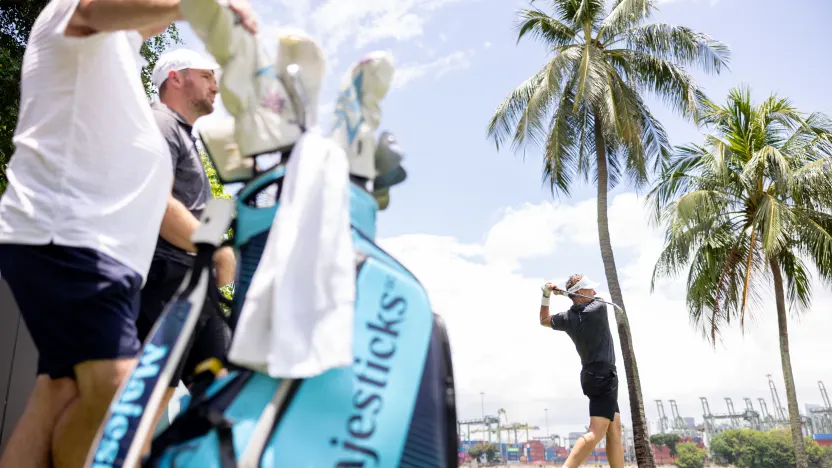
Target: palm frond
(679,44)
(502,124)
(798,281)
(532,122)
(774,220)
(543,27)
(625,14)
(562,146)
(588,14)
(665,79)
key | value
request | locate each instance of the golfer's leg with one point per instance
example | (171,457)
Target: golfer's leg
(615,444)
(98,382)
(30,443)
(587,442)
(26,269)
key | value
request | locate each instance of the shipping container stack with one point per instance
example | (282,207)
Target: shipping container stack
(599,455)
(823,439)
(535,451)
(513,456)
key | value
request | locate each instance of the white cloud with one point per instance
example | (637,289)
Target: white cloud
(487,45)
(357,23)
(407,73)
(490,305)
(346,29)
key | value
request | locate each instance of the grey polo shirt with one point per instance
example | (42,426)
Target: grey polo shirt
(589,328)
(190,183)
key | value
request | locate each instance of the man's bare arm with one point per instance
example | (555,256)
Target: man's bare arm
(93,16)
(178,225)
(545,317)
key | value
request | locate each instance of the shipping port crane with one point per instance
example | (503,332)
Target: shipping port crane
(823,414)
(664,424)
(485,422)
(556,440)
(781,415)
(734,419)
(768,419)
(779,412)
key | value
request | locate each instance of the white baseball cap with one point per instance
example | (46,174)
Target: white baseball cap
(584,283)
(177,60)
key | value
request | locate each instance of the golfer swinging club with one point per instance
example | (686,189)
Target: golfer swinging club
(587,324)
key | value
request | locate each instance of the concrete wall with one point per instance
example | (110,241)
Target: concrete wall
(18,364)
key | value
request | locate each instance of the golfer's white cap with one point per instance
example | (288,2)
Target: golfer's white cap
(584,283)
(177,60)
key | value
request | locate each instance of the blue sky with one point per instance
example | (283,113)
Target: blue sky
(481,231)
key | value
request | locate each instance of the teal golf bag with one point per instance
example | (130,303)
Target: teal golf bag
(394,407)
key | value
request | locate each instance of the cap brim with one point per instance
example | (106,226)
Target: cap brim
(206,64)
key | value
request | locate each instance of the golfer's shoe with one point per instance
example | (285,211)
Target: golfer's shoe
(258,96)
(358,112)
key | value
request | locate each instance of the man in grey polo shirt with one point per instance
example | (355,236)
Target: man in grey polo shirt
(187,88)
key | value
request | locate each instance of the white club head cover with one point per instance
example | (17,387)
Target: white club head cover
(297,51)
(358,111)
(250,90)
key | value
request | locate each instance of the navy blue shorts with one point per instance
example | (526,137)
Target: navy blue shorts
(600,383)
(79,304)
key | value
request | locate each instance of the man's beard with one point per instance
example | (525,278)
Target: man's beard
(202,106)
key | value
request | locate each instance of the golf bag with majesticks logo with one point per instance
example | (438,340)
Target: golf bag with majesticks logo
(396,405)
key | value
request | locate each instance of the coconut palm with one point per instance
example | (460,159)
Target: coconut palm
(585,107)
(749,210)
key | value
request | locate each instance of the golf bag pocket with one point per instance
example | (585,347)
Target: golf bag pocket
(394,407)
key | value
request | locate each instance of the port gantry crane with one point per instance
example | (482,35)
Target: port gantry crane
(823,415)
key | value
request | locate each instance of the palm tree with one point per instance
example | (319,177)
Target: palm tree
(585,107)
(753,204)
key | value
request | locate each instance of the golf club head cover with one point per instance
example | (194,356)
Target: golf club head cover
(358,111)
(264,119)
(299,52)
(389,170)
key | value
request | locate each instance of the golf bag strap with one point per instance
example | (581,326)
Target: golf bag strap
(225,439)
(202,416)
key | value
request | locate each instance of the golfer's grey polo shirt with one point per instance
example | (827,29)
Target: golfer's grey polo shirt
(589,327)
(190,183)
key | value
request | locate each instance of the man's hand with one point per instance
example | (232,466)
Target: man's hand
(246,14)
(547,289)
(226,265)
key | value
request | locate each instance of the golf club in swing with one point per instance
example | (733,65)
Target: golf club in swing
(567,294)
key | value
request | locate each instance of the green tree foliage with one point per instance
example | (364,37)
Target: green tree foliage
(16,20)
(745,448)
(585,110)
(691,456)
(747,213)
(489,449)
(666,440)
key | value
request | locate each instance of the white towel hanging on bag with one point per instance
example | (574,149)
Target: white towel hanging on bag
(297,318)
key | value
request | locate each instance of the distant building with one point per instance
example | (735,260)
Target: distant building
(690,422)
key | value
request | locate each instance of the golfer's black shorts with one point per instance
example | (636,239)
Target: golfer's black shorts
(600,384)
(78,304)
(212,339)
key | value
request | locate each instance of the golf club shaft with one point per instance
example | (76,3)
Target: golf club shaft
(566,293)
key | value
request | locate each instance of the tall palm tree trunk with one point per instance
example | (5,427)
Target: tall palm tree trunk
(644,454)
(785,358)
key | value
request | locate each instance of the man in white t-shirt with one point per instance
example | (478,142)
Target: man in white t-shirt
(88,186)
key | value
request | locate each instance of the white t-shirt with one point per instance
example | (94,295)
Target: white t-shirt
(90,168)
